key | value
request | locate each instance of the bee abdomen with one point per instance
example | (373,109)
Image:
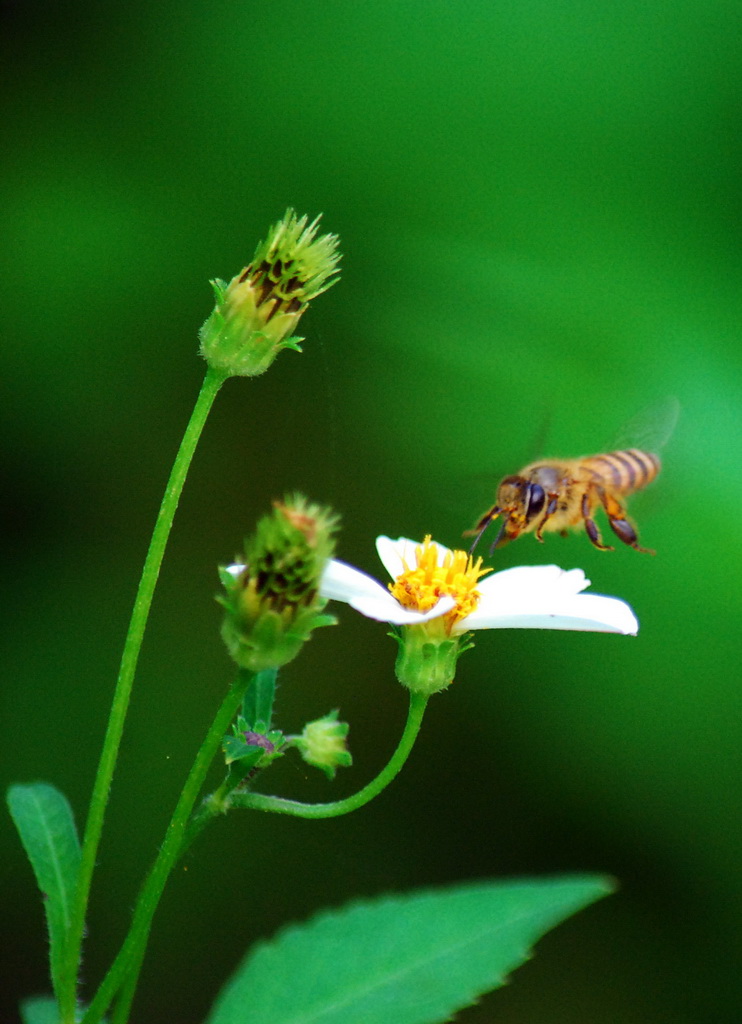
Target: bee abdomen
(627,470)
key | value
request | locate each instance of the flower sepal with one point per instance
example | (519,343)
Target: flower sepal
(238,345)
(426,663)
(269,643)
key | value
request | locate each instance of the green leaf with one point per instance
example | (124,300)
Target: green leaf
(44,820)
(40,1010)
(413,959)
(257,707)
(236,749)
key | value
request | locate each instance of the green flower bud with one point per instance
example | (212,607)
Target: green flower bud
(272,598)
(256,313)
(323,744)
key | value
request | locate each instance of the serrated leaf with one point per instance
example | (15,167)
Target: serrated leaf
(46,826)
(411,959)
(236,749)
(40,1010)
(257,707)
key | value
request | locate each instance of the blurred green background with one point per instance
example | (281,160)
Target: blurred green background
(539,206)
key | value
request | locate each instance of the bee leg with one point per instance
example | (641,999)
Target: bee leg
(625,531)
(594,535)
(501,538)
(550,510)
(590,527)
(620,525)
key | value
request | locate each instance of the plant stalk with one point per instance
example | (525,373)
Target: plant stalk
(68,982)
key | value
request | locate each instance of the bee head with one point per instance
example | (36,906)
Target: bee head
(521,501)
(511,494)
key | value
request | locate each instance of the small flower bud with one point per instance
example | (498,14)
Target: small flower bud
(256,313)
(323,744)
(272,599)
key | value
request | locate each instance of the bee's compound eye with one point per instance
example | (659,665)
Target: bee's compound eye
(536,499)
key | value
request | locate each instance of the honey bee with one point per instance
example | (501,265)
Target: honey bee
(560,494)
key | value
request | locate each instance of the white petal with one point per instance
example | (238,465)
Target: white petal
(546,597)
(386,609)
(523,582)
(342,582)
(396,555)
(234,570)
(589,612)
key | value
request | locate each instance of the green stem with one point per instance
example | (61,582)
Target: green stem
(125,969)
(261,802)
(213,805)
(94,826)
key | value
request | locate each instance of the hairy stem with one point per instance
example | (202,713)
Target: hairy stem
(109,753)
(262,802)
(124,971)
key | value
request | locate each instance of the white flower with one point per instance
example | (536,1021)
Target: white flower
(431,581)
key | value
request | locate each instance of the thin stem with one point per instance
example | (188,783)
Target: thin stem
(140,612)
(125,969)
(261,802)
(127,990)
(214,804)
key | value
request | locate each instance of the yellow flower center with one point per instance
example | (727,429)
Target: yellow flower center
(422,585)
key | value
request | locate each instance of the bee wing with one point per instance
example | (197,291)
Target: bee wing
(651,428)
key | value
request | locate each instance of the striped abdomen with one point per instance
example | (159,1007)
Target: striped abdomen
(624,471)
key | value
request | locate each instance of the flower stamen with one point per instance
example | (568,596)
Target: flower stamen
(421,586)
